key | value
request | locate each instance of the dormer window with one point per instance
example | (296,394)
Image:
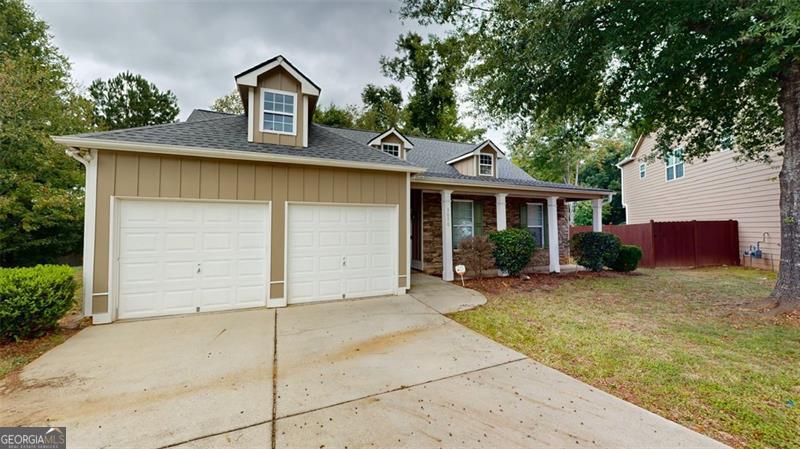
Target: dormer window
(486,165)
(391,148)
(279,111)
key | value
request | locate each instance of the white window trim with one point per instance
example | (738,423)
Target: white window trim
(642,171)
(294,114)
(541,208)
(394,145)
(667,166)
(472,223)
(490,165)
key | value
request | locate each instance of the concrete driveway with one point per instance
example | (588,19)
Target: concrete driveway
(384,372)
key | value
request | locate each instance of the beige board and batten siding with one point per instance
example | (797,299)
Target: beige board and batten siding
(718,189)
(126,174)
(467,166)
(278,79)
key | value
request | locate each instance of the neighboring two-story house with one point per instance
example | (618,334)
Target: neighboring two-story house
(719,188)
(267,208)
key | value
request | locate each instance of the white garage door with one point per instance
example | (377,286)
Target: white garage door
(186,256)
(337,252)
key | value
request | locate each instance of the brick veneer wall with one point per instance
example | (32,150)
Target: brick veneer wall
(432,228)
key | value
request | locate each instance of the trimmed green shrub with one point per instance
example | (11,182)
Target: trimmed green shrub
(594,250)
(628,258)
(513,249)
(32,300)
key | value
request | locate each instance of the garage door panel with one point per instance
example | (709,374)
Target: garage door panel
(331,250)
(159,257)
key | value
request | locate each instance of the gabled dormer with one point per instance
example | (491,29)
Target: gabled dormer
(392,142)
(480,161)
(279,102)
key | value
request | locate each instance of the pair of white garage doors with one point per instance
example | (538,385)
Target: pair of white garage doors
(177,257)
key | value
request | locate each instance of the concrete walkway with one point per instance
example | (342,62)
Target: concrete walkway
(384,372)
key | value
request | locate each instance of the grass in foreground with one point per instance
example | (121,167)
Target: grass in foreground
(686,344)
(16,354)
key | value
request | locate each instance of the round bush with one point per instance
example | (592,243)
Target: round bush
(513,249)
(32,300)
(595,250)
(628,258)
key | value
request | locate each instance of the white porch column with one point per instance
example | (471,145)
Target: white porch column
(597,215)
(552,233)
(447,236)
(501,210)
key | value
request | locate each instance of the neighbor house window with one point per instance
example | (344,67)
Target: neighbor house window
(463,221)
(675,165)
(486,165)
(391,148)
(642,170)
(536,222)
(279,110)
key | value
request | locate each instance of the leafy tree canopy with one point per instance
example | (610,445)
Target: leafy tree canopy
(695,72)
(434,69)
(230,103)
(41,210)
(383,108)
(340,117)
(128,100)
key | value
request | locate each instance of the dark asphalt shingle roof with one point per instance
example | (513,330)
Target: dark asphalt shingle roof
(433,154)
(229,132)
(222,131)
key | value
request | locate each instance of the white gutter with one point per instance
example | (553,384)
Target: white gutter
(177,150)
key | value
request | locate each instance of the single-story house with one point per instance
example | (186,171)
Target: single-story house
(718,188)
(268,208)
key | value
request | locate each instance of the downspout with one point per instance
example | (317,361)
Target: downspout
(89,160)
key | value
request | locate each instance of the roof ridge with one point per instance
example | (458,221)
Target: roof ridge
(407,134)
(214,112)
(159,125)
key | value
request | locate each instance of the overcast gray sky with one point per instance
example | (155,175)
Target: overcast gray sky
(195,47)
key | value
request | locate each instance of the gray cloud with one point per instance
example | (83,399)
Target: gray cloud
(195,48)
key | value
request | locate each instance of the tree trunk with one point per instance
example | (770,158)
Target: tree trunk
(787,289)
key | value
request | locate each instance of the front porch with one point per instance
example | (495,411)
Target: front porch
(440,217)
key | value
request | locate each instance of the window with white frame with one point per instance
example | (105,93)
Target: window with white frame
(463,221)
(536,222)
(642,170)
(485,165)
(675,165)
(391,148)
(279,111)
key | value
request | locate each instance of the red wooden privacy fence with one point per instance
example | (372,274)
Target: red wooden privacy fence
(679,243)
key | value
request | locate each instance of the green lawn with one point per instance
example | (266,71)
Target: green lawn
(686,344)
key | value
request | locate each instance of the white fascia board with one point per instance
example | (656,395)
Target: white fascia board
(176,150)
(501,154)
(510,188)
(477,151)
(406,143)
(251,78)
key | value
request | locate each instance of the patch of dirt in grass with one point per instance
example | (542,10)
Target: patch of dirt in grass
(14,355)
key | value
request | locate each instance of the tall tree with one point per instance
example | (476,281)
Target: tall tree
(549,152)
(434,68)
(230,103)
(340,117)
(128,100)
(695,72)
(383,108)
(600,169)
(41,208)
